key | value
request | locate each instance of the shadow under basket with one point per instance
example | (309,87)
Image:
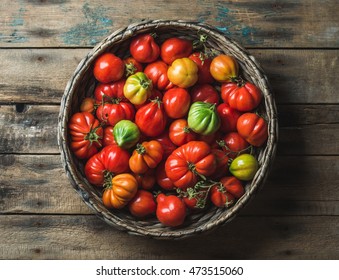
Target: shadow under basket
(82,84)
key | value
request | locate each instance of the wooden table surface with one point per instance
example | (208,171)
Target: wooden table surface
(295,215)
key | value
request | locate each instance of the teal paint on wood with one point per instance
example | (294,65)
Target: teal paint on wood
(96,26)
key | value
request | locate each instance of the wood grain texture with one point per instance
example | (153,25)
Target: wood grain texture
(296,76)
(86,237)
(296,186)
(34,129)
(262,23)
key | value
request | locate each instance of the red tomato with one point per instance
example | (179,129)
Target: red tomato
(110,161)
(220,197)
(171,210)
(108,68)
(228,117)
(180,133)
(242,96)
(132,66)
(253,129)
(147,180)
(110,92)
(113,113)
(177,102)
(206,93)
(233,186)
(222,164)
(166,144)
(157,73)
(174,48)
(162,179)
(151,118)
(196,200)
(203,63)
(144,48)
(108,138)
(189,163)
(233,144)
(86,134)
(142,205)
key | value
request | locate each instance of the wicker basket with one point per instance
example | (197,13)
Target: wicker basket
(83,83)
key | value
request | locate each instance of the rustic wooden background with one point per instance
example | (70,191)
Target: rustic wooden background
(295,216)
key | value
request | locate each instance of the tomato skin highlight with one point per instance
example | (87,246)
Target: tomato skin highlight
(171,210)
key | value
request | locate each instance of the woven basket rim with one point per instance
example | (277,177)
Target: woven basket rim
(78,182)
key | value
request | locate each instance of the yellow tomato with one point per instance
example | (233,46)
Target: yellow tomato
(183,72)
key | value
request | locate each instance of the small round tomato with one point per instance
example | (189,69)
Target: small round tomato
(220,197)
(88,105)
(157,73)
(203,118)
(146,156)
(171,210)
(144,48)
(120,190)
(244,167)
(183,72)
(108,68)
(180,133)
(176,101)
(228,117)
(138,88)
(151,118)
(222,161)
(86,134)
(205,93)
(189,163)
(242,96)
(110,92)
(233,186)
(203,62)
(113,113)
(224,68)
(142,205)
(253,129)
(132,66)
(174,48)
(233,144)
(162,178)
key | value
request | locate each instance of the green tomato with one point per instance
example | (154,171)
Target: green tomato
(126,134)
(244,167)
(203,118)
(137,88)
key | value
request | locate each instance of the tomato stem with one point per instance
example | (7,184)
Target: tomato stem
(140,149)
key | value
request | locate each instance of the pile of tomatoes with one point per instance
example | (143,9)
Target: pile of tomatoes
(168,130)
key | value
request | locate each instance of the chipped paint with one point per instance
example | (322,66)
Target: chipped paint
(96,26)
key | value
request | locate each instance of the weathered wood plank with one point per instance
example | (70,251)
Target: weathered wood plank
(86,237)
(295,186)
(33,129)
(40,75)
(81,23)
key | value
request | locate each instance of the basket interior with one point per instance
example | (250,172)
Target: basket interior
(82,84)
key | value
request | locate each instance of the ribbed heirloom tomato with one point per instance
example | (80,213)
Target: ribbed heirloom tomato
(142,205)
(86,134)
(157,73)
(180,133)
(176,102)
(144,48)
(242,96)
(224,68)
(253,129)
(112,113)
(110,91)
(183,72)
(174,48)
(171,210)
(111,160)
(189,163)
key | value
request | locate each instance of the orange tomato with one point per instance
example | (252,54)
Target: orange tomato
(224,68)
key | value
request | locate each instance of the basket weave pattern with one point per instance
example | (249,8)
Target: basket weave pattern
(82,84)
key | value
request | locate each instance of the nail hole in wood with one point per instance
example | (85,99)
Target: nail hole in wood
(20,108)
